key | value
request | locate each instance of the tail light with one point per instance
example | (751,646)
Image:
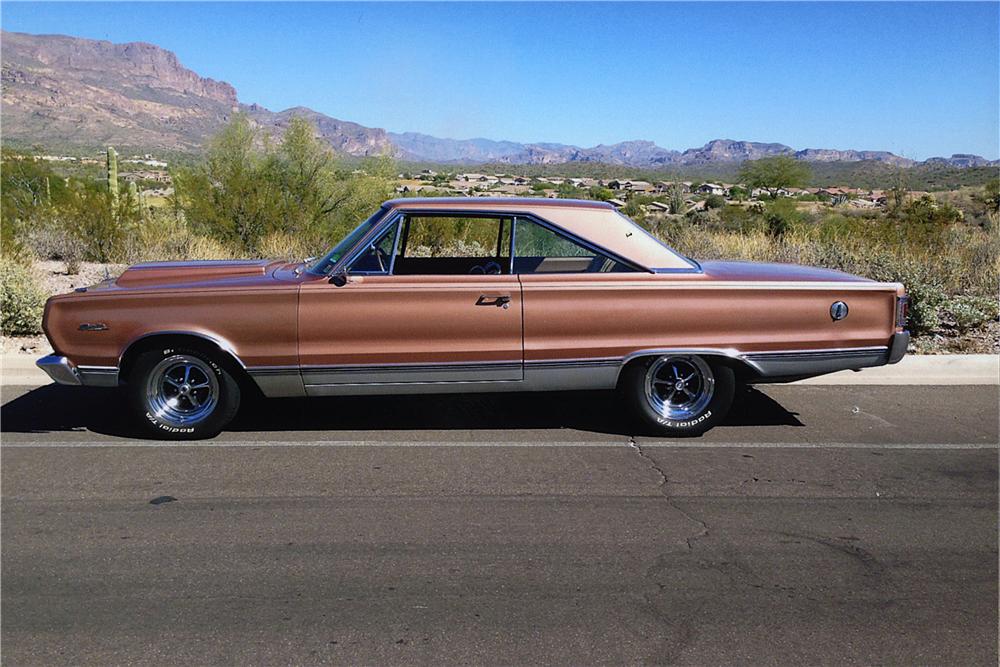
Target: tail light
(902,311)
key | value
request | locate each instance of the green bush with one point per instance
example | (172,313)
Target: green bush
(715,201)
(965,313)
(21,301)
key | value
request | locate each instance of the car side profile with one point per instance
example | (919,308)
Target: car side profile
(452,295)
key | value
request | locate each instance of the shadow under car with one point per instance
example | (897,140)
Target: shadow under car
(54,408)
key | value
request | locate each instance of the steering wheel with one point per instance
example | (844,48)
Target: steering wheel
(491,268)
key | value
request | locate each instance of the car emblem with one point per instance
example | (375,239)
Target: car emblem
(93,326)
(838,310)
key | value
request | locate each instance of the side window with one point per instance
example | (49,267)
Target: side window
(452,245)
(377,257)
(538,249)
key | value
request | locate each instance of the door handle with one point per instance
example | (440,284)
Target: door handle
(500,301)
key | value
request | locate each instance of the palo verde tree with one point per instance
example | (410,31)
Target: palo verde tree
(249,187)
(774,173)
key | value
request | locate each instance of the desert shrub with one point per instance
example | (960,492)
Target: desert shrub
(22,301)
(715,201)
(965,313)
(453,248)
(101,227)
(12,246)
(927,212)
(781,216)
(601,194)
(203,247)
(168,238)
(279,245)
(55,242)
(738,193)
(739,218)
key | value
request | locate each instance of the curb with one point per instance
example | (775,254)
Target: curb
(922,369)
(928,369)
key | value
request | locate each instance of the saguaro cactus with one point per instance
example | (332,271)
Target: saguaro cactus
(113,176)
(133,193)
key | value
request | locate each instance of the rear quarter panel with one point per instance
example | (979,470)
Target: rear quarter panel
(594,316)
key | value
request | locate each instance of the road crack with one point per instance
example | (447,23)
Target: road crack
(665,493)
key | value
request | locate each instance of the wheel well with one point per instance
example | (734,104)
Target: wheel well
(191,341)
(744,372)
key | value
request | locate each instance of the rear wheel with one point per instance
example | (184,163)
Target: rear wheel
(679,395)
(182,394)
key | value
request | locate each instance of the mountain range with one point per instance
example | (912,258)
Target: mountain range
(70,91)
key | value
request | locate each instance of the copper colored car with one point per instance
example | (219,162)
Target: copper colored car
(464,295)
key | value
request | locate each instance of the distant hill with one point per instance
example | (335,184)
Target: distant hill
(67,91)
(61,91)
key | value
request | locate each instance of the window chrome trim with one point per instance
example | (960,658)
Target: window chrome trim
(452,213)
(513,235)
(401,211)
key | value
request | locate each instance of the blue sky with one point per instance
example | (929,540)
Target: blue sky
(918,79)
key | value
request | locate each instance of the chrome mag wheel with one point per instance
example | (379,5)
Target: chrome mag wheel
(679,387)
(182,390)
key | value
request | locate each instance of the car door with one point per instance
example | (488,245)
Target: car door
(411,315)
(580,309)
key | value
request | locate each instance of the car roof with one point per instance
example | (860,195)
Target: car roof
(595,222)
(488,203)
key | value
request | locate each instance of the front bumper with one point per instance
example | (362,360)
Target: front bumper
(64,371)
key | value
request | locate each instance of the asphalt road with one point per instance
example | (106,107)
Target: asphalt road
(821,525)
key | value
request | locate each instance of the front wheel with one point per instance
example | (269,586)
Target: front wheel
(679,395)
(182,394)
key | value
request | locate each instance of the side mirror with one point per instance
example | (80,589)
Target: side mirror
(339,279)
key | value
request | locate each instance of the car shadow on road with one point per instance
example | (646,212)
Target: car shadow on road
(55,408)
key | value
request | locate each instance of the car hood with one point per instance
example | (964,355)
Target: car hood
(764,272)
(200,273)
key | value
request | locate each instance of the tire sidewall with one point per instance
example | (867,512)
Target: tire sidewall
(225,408)
(633,384)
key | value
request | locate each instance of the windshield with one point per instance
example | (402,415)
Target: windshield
(326,265)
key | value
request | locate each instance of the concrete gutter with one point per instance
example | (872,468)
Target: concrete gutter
(954,369)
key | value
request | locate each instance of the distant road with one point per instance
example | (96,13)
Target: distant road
(822,525)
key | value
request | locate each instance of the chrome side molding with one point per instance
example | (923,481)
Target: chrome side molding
(552,374)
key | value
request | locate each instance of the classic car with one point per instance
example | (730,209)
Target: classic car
(469,295)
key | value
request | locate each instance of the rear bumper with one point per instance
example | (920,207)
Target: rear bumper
(785,366)
(64,371)
(898,347)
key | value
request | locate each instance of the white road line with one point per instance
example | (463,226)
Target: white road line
(382,443)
